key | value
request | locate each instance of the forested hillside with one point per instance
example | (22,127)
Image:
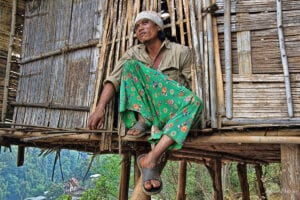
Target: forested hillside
(48,173)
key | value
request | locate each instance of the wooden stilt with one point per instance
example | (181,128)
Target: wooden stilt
(290,160)
(181,180)
(242,173)
(262,192)
(215,170)
(125,176)
(21,153)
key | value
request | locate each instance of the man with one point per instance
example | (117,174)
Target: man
(152,78)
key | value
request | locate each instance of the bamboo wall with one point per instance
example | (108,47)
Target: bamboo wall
(69,47)
(6,15)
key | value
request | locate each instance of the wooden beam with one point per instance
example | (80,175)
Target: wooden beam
(242,173)
(181,180)
(125,177)
(290,161)
(262,192)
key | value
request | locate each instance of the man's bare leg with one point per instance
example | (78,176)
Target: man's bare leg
(151,159)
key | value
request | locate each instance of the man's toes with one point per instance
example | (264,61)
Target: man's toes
(147,185)
(155,183)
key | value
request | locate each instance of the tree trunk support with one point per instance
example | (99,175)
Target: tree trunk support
(262,192)
(242,173)
(290,161)
(181,180)
(21,155)
(215,170)
(125,176)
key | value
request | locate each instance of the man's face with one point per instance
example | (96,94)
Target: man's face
(146,30)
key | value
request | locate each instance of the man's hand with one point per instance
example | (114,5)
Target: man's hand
(96,120)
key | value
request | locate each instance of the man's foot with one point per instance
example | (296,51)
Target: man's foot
(151,181)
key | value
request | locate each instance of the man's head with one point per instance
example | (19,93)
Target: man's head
(148,25)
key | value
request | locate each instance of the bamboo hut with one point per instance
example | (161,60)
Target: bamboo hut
(246,70)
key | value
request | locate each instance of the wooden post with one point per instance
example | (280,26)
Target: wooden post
(215,170)
(125,176)
(262,192)
(181,181)
(290,160)
(242,173)
(21,153)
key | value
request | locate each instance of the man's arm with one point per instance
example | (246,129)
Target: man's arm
(96,120)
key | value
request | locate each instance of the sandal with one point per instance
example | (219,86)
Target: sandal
(150,174)
(140,126)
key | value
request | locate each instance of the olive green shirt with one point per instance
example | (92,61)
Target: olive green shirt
(176,62)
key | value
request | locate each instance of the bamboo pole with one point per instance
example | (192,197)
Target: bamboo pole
(228,57)
(212,70)
(244,140)
(101,60)
(188,25)
(219,79)
(9,56)
(180,20)
(284,59)
(65,49)
(181,181)
(261,121)
(171,9)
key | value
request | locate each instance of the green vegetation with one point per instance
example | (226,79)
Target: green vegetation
(34,178)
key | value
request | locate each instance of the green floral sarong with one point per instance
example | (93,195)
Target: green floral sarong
(162,102)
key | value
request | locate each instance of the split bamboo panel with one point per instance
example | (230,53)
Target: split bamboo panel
(67,79)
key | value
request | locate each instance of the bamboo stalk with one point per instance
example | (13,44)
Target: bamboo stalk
(8,63)
(212,70)
(261,121)
(52,106)
(62,50)
(244,140)
(219,79)
(188,25)
(284,59)
(228,57)
(180,20)
(173,20)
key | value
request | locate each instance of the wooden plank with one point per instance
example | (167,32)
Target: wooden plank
(244,52)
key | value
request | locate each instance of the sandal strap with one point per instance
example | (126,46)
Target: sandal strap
(141,126)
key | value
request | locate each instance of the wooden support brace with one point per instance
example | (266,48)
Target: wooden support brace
(215,170)
(21,153)
(125,176)
(181,181)
(290,161)
(262,192)
(242,173)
